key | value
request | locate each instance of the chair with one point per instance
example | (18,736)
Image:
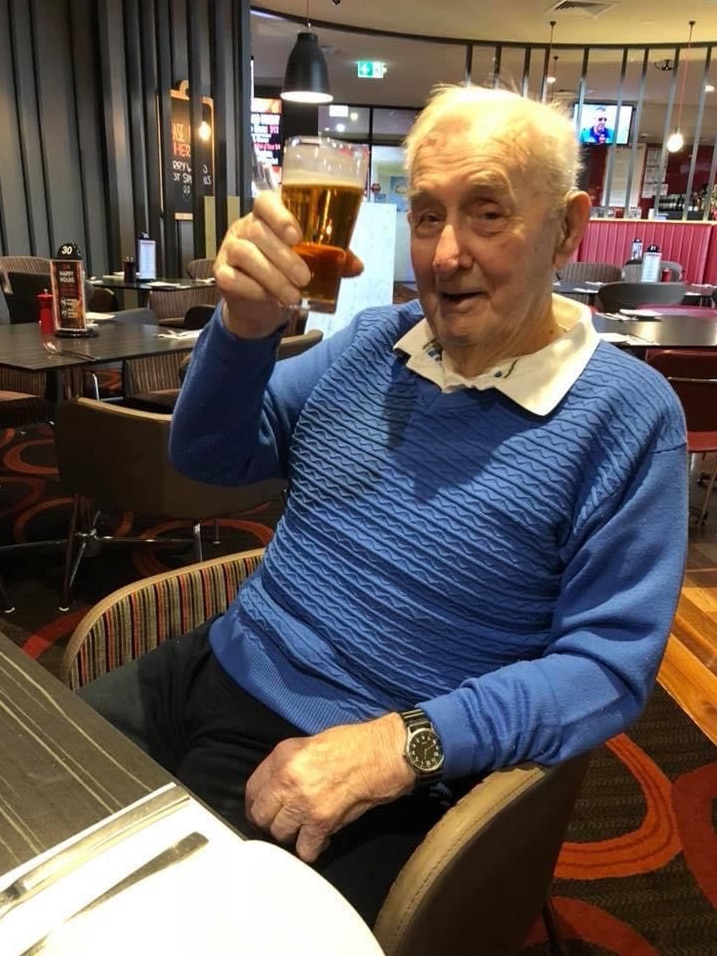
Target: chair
(25,286)
(693,375)
(21,264)
(577,272)
(632,270)
(153,383)
(614,296)
(115,459)
(171,305)
(676,270)
(481,876)
(197,317)
(200,268)
(138,617)
(23,398)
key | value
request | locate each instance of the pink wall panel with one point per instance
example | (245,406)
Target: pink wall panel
(689,243)
(710,271)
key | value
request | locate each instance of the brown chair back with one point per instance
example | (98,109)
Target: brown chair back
(21,264)
(577,272)
(200,268)
(614,296)
(118,458)
(480,878)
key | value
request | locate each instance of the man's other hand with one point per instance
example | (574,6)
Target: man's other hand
(310,787)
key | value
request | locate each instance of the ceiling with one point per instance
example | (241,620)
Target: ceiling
(414,66)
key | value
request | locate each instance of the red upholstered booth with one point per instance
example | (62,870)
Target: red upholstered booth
(693,244)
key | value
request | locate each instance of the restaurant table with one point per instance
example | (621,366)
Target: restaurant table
(23,346)
(698,294)
(583,291)
(683,330)
(80,800)
(143,287)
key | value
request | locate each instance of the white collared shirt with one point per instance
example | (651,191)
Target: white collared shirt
(536,382)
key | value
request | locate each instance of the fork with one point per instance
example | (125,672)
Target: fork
(55,349)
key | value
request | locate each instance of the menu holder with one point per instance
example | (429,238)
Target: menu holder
(146,258)
(67,275)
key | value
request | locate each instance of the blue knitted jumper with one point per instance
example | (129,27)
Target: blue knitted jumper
(514,575)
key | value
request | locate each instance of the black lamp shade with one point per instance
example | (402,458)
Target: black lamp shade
(307,77)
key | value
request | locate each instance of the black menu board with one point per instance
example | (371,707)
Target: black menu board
(184,173)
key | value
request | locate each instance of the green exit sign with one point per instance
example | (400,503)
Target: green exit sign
(371,69)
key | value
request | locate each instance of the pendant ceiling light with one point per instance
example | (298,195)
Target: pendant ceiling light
(546,66)
(307,77)
(676,140)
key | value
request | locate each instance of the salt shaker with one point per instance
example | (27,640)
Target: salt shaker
(46,312)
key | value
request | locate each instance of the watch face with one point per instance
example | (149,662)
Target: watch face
(424,751)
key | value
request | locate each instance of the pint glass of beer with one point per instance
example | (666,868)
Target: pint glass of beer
(322,184)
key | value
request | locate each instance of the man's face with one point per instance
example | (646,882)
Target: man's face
(483,240)
(600,122)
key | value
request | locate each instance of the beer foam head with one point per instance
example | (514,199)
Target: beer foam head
(541,135)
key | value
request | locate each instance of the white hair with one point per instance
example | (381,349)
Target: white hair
(541,135)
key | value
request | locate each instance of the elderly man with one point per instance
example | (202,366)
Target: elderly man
(484,539)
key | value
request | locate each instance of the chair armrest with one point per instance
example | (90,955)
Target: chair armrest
(483,872)
(136,618)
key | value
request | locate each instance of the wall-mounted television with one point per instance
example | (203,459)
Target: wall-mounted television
(599,123)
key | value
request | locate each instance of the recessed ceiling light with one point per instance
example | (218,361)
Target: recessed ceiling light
(709,88)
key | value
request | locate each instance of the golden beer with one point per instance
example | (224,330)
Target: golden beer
(327,214)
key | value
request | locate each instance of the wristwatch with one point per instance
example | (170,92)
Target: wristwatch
(423,750)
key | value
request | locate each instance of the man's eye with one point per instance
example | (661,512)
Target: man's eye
(426,221)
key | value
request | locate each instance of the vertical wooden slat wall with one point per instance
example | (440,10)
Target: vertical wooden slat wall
(85,109)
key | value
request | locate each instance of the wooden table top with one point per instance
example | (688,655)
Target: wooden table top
(64,767)
(21,346)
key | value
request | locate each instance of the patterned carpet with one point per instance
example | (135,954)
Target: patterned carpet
(638,875)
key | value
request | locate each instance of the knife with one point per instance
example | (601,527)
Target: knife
(172,854)
(85,847)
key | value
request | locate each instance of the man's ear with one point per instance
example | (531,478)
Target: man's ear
(575,219)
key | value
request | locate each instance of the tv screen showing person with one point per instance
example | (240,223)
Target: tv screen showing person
(598,131)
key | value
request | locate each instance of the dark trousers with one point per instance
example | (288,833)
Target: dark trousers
(180,706)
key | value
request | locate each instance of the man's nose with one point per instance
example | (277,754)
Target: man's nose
(449,254)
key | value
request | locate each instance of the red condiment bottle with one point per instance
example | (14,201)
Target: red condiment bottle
(46,311)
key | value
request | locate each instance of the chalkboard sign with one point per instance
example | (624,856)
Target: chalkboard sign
(184,173)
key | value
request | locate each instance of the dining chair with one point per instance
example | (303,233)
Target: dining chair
(200,268)
(115,460)
(676,270)
(21,264)
(153,383)
(614,296)
(577,272)
(693,375)
(23,398)
(171,305)
(479,880)
(25,286)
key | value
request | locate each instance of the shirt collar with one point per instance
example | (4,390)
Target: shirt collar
(537,382)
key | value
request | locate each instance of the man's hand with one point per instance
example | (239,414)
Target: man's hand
(310,787)
(257,271)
